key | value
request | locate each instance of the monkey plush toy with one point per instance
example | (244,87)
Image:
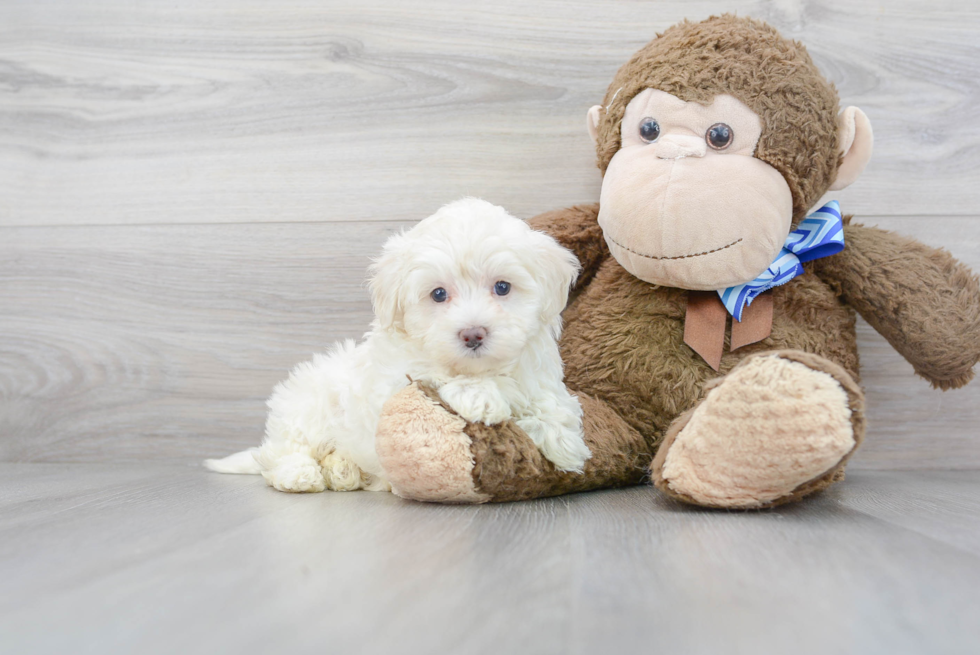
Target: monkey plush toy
(711,335)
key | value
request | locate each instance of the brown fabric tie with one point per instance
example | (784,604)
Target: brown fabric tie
(704,324)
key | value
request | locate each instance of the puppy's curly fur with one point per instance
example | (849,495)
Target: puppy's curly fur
(322,420)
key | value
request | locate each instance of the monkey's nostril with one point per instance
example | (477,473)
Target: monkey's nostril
(473,337)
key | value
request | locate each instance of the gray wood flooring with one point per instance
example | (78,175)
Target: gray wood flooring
(98,558)
(190,193)
(124,112)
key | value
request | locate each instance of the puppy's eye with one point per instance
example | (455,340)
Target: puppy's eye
(719,136)
(649,130)
(439,295)
(501,288)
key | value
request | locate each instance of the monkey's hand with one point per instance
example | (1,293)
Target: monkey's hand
(921,299)
(577,229)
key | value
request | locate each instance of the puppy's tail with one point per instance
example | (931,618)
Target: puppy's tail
(243,462)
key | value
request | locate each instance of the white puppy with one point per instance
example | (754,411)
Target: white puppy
(468,301)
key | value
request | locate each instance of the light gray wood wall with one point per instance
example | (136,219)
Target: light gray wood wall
(190,192)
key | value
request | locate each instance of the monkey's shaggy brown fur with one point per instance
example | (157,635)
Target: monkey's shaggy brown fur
(751,61)
(624,351)
(623,343)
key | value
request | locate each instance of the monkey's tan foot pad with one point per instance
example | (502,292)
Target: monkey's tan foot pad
(778,427)
(425,453)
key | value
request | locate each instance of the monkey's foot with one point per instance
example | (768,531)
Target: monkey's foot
(779,426)
(424,449)
(430,453)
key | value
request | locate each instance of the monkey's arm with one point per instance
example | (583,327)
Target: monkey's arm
(577,229)
(921,299)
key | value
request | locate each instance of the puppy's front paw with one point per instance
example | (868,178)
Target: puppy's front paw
(562,446)
(476,400)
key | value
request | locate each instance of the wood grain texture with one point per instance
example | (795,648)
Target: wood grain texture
(936,504)
(114,559)
(189,197)
(122,112)
(189,193)
(162,342)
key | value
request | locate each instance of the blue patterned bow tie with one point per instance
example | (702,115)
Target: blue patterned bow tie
(820,234)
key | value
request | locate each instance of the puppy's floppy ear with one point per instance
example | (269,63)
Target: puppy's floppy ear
(387,279)
(556,269)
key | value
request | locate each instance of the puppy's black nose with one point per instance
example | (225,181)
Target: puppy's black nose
(473,337)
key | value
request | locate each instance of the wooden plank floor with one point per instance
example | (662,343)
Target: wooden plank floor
(189,197)
(123,112)
(190,193)
(162,559)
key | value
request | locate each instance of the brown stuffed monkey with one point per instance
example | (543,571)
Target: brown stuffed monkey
(700,358)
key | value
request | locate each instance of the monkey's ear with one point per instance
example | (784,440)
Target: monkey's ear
(593,121)
(856,143)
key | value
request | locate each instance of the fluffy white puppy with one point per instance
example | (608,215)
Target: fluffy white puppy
(468,301)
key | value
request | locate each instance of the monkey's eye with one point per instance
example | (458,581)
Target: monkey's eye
(501,288)
(439,295)
(649,130)
(719,136)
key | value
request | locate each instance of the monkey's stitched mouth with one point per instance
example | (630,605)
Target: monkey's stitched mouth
(697,254)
